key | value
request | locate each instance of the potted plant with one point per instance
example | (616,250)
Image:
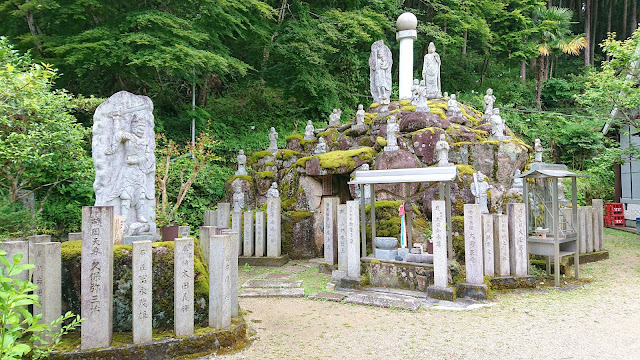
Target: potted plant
(177,168)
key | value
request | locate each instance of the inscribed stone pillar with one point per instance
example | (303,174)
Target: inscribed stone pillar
(274,235)
(35,239)
(223,214)
(261,245)
(219,280)
(487,244)
(473,243)
(330,210)
(439,238)
(210,218)
(233,279)
(15,247)
(204,243)
(142,289)
(97,276)
(582,230)
(183,278)
(588,221)
(118,229)
(353,238)
(501,245)
(518,239)
(598,225)
(236,225)
(247,249)
(406,35)
(343,260)
(47,276)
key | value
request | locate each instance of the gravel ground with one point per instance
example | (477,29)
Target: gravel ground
(598,320)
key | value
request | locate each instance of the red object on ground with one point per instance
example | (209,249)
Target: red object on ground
(613,209)
(618,220)
(608,220)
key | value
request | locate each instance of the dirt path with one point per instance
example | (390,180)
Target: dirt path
(596,321)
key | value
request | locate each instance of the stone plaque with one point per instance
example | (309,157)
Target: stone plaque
(473,244)
(439,238)
(501,245)
(219,281)
(210,218)
(598,224)
(343,260)
(330,210)
(15,247)
(518,239)
(588,219)
(47,276)
(224,209)
(233,279)
(261,238)
(236,225)
(487,245)
(274,235)
(183,280)
(353,238)
(247,249)
(142,290)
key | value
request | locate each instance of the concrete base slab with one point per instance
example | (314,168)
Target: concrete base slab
(265,283)
(327,296)
(440,293)
(510,282)
(350,282)
(272,292)
(384,300)
(263,261)
(471,291)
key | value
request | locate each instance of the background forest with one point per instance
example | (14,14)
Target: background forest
(239,67)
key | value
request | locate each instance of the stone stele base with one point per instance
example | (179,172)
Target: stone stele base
(350,282)
(263,261)
(471,291)
(325,268)
(510,282)
(201,344)
(440,293)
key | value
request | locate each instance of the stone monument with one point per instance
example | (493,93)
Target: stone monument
(442,149)
(422,103)
(415,92)
(334,118)
(538,148)
(489,99)
(360,116)
(238,198)
(123,147)
(479,189)
(392,135)
(498,127)
(518,182)
(141,267)
(380,62)
(321,147)
(309,131)
(183,282)
(454,109)
(406,35)
(274,225)
(431,73)
(273,141)
(242,163)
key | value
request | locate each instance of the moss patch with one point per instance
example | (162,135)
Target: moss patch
(293,136)
(256,156)
(432,130)
(409,108)
(243,177)
(375,104)
(366,141)
(287,154)
(344,159)
(266,175)
(404,102)
(465,169)
(381,141)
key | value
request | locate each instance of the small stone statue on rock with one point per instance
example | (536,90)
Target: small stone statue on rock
(360,116)
(415,92)
(498,127)
(538,148)
(422,104)
(238,198)
(489,99)
(479,189)
(442,149)
(242,163)
(334,118)
(273,191)
(454,110)
(380,62)
(273,141)
(518,183)
(309,131)
(321,147)
(431,72)
(392,135)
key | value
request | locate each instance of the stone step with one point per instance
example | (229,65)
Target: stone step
(384,300)
(272,292)
(323,295)
(277,276)
(271,283)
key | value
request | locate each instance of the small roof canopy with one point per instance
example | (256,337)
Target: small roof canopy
(542,170)
(413,175)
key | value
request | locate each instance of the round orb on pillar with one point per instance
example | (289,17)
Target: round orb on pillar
(406,21)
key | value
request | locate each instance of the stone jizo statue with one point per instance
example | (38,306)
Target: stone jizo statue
(538,148)
(422,104)
(309,131)
(123,147)
(334,118)
(238,198)
(518,182)
(489,99)
(498,127)
(273,191)
(242,163)
(360,116)
(273,141)
(392,135)
(431,73)
(479,189)
(454,108)
(321,147)
(380,62)
(415,92)
(442,149)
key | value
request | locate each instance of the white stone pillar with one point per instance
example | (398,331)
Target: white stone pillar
(142,290)
(183,282)
(473,243)
(220,269)
(274,227)
(330,229)
(439,236)
(353,239)
(598,224)
(261,245)
(501,245)
(406,25)
(236,225)
(47,276)
(247,249)
(343,260)
(518,239)
(487,245)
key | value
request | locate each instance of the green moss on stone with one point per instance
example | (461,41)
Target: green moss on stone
(404,102)
(366,141)
(381,141)
(256,156)
(270,163)
(432,130)
(302,162)
(293,136)
(344,158)
(465,169)
(331,134)
(243,177)
(266,175)
(297,216)
(375,104)
(409,108)
(287,154)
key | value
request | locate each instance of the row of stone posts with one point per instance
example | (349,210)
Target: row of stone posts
(342,238)
(97,280)
(260,233)
(590,225)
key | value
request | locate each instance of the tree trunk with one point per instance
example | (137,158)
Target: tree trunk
(546,67)
(539,82)
(587,32)
(579,10)
(609,22)
(523,71)
(625,15)
(594,27)
(634,15)
(464,42)
(553,60)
